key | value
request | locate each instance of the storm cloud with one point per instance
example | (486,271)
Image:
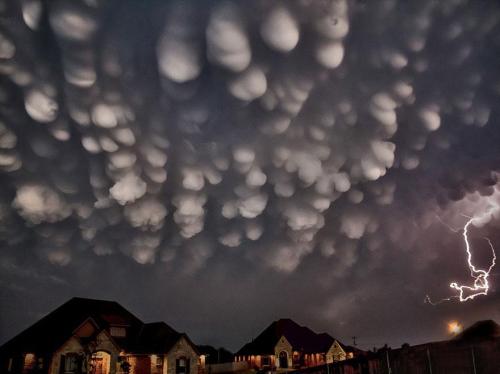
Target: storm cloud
(317,147)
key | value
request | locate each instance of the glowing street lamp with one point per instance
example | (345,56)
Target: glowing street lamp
(454,328)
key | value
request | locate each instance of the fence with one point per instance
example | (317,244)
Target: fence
(435,358)
(229,367)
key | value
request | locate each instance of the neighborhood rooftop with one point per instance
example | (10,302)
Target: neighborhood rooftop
(102,337)
(54,329)
(300,337)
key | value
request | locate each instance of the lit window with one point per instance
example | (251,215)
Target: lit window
(29,362)
(159,361)
(118,332)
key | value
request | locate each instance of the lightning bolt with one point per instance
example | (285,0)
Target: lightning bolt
(481,284)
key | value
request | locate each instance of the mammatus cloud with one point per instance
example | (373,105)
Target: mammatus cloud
(273,129)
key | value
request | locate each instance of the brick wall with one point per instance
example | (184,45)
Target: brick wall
(139,364)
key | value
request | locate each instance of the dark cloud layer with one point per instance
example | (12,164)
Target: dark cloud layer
(221,164)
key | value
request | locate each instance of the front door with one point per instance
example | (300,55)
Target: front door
(98,366)
(101,363)
(283,360)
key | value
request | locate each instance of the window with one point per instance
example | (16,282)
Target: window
(182,366)
(71,363)
(118,332)
(159,361)
(29,363)
(298,359)
(266,361)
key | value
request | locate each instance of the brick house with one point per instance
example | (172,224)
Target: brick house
(98,337)
(286,345)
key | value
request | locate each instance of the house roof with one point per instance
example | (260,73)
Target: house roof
(215,355)
(53,330)
(480,330)
(300,337)
(156,337)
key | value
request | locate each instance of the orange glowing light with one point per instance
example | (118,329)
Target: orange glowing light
(454,327)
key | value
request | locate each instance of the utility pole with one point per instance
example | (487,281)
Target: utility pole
(429,360)
(389,371)
(354,340)
(473,359)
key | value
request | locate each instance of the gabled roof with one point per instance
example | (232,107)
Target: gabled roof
(301,338)
(156,337)
(351,349)
(53,330)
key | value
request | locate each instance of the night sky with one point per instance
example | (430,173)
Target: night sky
(221,164)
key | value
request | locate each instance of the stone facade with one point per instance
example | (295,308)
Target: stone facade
(283,345)
(158,364)
(182,350)
(336,353)
(139,364)
(73,346)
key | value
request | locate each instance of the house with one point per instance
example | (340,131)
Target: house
(286,345)
(219,361)
(98,337)
(481,330)
(211,355)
